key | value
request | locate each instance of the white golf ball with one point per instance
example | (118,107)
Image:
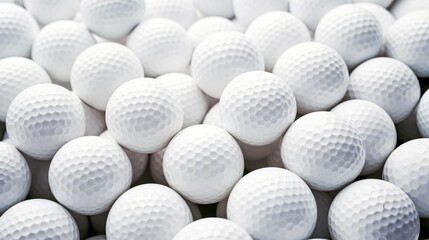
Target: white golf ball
(388,83)
(143,115)
(95,121)
(47,11)
(138,160)
(316,73)
(352,31)
(148,211)
(311,11)
(39,179)
(17,31)
(323,202)
(324,150)
(422,115)
(373,209)
(383,3)
(408,168)
(87,174)
(58,45)
(38,219)
(212,228)
(191,98)
(407,41)
(203,162)
(206,27)
(17,74)
(180,11)
(111,18)
(100,70)
(374,126)
(275,32)
(15,177)
(222,57)
(221,8)
(271,203)
(257,107)
(247,10)
(162,46)
(44,117)
(155,162)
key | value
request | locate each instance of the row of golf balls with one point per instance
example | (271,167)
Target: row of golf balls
(204,163)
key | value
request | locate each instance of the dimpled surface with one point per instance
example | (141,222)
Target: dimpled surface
(316,73)
(212,229)
(373,209)
(143,115)
(311,11)
(388,83)
(324,150)
(206,27)
(148,211)
(257,107)
(191,98)
(384,17)
(156,160)
(100,70)
(47,11)
(95,122)
(15,177)
(422,117)
(374,126)
(162,46)
(17,31)
(180,11)
(38,219)
(247,10)
(271,203)
(323,202)
(112,18)
(408,40)
(352,31)
(222,57)
(58,45)
(275,32)
(408,168)
(203,162)
(221,8)
(16,74)
(88,174)
(138,160)
(44,117)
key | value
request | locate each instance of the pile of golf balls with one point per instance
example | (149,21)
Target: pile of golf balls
(214,119)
